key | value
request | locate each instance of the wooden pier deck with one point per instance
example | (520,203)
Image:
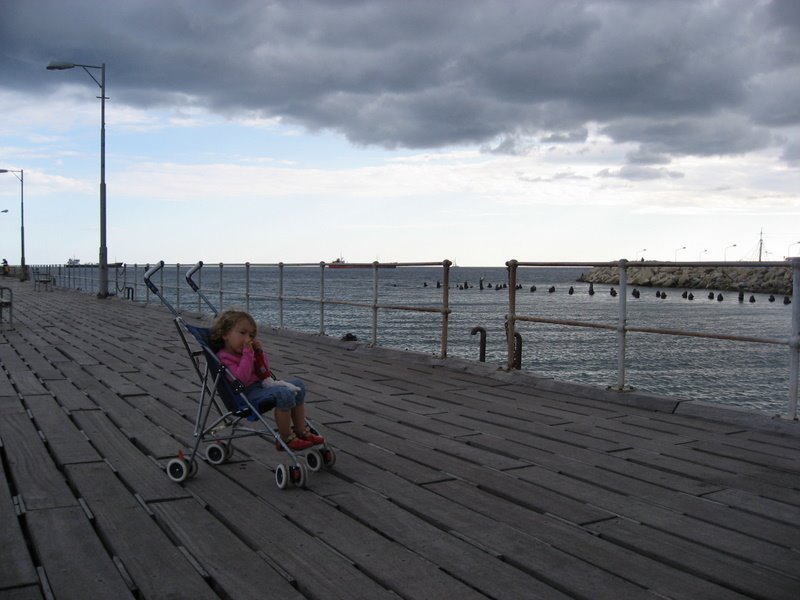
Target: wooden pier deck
(450,481)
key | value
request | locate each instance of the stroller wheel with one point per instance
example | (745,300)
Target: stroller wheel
(281,476)
(228,450)
(178,470)
(216,453)
(314,460)
(193,466)
(299,475)
(328,457)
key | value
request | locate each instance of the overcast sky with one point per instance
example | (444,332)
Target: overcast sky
(479,131)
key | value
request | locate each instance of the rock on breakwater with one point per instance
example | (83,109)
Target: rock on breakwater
(767,280)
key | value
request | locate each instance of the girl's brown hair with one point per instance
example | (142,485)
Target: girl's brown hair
(224,323)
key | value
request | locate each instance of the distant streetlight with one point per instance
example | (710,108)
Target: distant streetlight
(4,210)
(725,254)
(642,251)
(788,250)
(23,275)
(699,258)
(60,66)
(678,250)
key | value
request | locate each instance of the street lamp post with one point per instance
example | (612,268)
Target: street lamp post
(641,252)
(60,66)
(23,275)
(788,250)
(700,258)
(676,252)
(725,254)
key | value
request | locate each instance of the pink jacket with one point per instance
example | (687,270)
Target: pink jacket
(241,366)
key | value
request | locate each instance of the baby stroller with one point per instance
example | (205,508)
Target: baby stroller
(224,413)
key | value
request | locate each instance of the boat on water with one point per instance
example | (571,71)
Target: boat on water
(341,263)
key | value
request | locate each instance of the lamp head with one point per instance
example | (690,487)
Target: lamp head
(3,170)
(60,66)
(4,210)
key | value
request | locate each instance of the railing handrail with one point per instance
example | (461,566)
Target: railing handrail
(622,328)
(86,277)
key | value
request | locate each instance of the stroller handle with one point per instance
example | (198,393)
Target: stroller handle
(149,274)
(192,283)
(196,288)
(154,288)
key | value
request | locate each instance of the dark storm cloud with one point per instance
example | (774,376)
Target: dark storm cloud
(674,77)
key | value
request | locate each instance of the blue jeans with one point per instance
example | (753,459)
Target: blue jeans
(264,399)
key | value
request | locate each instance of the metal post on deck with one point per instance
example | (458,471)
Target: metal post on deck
(445,305)
(622,321)
(280,294)
(322,298)
(221,304)
(375,303)
(794,341)
(178,286)
(512,310)
(247,286)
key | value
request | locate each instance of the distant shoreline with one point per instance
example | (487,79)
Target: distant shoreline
(769,280)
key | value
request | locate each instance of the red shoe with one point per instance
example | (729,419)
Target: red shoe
(312,437)
(294,443)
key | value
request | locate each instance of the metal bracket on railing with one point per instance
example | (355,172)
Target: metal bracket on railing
(482,331)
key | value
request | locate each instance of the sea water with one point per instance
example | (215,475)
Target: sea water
(751,375)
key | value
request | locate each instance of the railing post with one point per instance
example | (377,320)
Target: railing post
(247,286)
(322,298)
(178,286)
(280,294)
(375,303)
(622,321)
(794,341)
(512,310)
(221,304)
(161,280)
(445,305)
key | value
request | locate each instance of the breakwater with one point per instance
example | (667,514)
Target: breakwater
(767,280)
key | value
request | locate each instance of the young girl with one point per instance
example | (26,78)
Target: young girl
(233,336)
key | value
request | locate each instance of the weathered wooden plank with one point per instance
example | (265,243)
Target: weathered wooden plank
(557,568)
(411,575)
(23,593)
(156,565)
(134,467)
(16,565)
(488,574)
(114,380)
(69,396)
(788,514)
(642,570)
(233,566)
(73,558)
(66,442)
(319,571)
(153,439)
(79,377)
(37,480)
(740,576)
(724,540)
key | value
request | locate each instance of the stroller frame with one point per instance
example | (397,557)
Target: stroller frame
(223,407)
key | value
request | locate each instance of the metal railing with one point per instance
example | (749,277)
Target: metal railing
(622,328)
(249,292)
(128,280)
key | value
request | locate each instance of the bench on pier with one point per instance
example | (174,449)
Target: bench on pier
(42,279)
(6,302)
